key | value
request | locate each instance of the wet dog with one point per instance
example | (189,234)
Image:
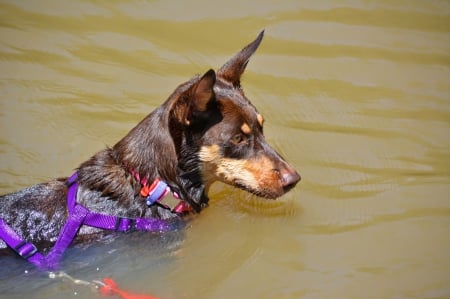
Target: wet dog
(206,131)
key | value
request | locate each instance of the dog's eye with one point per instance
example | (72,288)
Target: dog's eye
(238,138)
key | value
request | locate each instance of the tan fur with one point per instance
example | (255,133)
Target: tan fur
(245,128)
(260,119)
(255,174)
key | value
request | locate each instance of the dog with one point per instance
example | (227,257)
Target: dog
(206,131)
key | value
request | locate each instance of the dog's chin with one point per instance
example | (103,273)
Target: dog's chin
(265,193)
(262,193)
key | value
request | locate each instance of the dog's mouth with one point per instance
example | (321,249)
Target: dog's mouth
(271,189)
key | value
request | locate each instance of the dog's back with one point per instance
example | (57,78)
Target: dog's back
(37,212)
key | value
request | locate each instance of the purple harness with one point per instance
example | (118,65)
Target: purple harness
(78,216)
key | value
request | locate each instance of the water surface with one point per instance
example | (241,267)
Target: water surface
(355,95)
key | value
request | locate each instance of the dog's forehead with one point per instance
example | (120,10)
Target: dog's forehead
(236,101)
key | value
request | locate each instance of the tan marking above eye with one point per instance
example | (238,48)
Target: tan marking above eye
(245,128)
(260,119)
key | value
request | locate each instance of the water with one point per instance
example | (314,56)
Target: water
(355,95)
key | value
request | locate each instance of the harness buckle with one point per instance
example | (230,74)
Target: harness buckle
(25,249)
(130,225)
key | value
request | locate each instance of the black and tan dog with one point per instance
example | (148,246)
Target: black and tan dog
(206,131)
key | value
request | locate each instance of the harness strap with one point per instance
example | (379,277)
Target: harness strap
(125,225)
(25,249)
(78,216)
(109,222)
(28,250)
(67,235)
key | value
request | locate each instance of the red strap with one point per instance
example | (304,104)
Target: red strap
(182,207)
(110,287)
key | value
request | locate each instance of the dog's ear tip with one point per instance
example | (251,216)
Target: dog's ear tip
(261,34)
(207,81)
(234,67)
(211,74)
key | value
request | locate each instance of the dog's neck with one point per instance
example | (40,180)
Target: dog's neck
(148,149)
(156,148)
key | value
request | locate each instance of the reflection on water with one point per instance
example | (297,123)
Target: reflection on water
(356,97)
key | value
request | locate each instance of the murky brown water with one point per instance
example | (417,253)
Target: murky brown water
(356,95)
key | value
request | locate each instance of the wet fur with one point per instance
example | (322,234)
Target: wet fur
(206,131)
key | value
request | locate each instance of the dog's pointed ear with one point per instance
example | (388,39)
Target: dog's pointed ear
(233,68)
(194,102)
(204,91)
(201,95)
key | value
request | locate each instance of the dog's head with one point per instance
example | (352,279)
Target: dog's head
(219,136)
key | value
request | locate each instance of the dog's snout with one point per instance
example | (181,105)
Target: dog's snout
(289,178)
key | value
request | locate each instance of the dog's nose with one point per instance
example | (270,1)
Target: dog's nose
(289,178)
